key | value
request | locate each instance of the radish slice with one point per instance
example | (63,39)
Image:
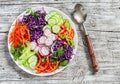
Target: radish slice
(48,42)
(47,32)
(36,49)
(33,45)
(41,40)
(20,17)
(52,36)
(44,51)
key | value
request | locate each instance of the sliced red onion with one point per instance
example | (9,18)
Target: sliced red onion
(44,51)
(41,40)
(48,42)
(47,32)
(33,45)
(52,47)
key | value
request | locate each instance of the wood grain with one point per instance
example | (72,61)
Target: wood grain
(103,25)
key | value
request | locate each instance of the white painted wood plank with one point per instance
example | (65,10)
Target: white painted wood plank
(56,1)
(101,17)
(103,26)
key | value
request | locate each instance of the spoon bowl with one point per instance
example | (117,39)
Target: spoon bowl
(79,14)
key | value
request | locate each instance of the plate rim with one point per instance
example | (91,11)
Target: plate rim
(75,39)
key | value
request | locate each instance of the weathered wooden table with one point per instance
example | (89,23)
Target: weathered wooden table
(103,25)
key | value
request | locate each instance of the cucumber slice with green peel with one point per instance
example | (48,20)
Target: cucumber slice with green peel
(51,13)
(32,59)
(60,18)
(47,17)
(60,15)
(26,64)
(32,65)
(46,27)
(51,22)
(26,58)
(67,24)
(56,19)
(56,29)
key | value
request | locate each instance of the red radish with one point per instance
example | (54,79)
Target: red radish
(33,45)
(48,42)
(52,36)
(41,40)
(38,47)
(44,51)
(47,32)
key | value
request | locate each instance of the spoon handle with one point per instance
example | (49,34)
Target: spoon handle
(91,52)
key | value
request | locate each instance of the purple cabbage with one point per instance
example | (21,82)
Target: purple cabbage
(35,24)
(68,50)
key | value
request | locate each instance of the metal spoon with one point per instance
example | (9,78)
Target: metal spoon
(79,16)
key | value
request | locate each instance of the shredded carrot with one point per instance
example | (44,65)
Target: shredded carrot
(19,34)
(47,67)
(64,31)
(71,33)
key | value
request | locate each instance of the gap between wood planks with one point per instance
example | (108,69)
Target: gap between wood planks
(52,2)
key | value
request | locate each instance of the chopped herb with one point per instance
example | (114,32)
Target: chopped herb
(64,63)
(30,11)
(53,60)
(17,52)
(59,52)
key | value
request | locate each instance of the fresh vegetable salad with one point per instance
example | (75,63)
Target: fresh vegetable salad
(42,41)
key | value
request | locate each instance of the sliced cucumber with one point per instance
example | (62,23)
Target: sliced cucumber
(56,19)
(26,64)
(32,65)
(46,27)
(26,58)
(51,13)
(47,17)
(25,52)
(60,19)
(32,59)
(56,29)
(52,22)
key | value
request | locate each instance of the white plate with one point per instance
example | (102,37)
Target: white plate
(47,9)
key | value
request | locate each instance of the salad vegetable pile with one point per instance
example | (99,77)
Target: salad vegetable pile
(42,41)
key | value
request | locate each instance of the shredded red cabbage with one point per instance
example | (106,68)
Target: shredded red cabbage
(35,24)
(68,50)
